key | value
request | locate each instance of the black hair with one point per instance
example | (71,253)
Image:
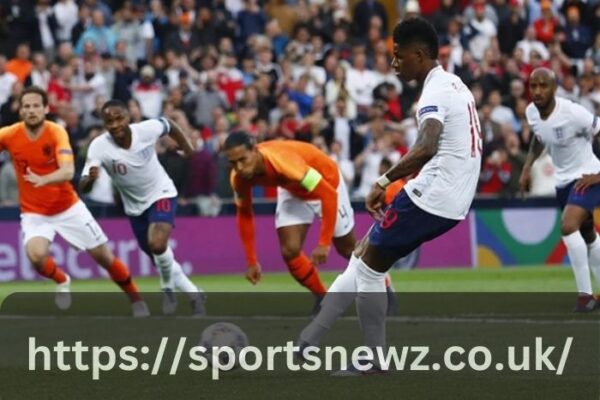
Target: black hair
(236,139)
(35,90)
(114,103)
(417,30)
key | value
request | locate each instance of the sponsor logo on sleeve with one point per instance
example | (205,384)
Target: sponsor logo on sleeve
(427,109)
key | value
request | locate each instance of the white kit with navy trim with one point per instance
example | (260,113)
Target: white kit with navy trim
(136,172)
(446,184)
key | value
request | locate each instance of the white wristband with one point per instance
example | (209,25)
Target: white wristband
(383,181)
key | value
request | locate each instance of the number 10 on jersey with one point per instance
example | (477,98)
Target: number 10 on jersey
(119,168)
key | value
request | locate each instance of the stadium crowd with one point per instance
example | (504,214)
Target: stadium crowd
(311,70)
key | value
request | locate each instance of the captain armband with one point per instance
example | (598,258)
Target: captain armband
(311,179)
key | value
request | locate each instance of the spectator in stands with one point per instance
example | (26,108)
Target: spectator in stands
(98,34)
(7,80)
(363,11)
(442,17)
(546,26)
(148,91)
(21,64)
(87,85)
(138,35)
(66,14)
(9,112)
(495,173)
(512,28)
(94,118)
(530,44)
(251,21)
(360,82)
(40,75)
(578,36)
(369,160)
(480,30)
(84,21)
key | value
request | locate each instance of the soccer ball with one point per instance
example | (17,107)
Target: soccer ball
(223,334)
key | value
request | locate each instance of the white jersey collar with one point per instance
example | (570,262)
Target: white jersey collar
(431,72)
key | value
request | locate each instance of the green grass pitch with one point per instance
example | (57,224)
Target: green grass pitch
(516,279)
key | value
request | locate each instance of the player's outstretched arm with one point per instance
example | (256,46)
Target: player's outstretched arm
(87,182)
(535,150)
(176,133)
(64,173)
(425,149)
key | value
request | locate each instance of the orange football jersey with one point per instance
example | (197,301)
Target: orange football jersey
(41,156)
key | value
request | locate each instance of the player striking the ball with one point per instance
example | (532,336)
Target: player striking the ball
(448,155)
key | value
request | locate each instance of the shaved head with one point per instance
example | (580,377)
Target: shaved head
(542,86)
(544,73)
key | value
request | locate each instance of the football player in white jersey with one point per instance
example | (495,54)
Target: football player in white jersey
(127,152)
(567,130)
(448,155)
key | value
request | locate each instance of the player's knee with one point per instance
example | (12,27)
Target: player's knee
(157,246)
(290,251)
(37,256)
(568,227)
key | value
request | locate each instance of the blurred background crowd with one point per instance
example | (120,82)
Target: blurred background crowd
(311,70)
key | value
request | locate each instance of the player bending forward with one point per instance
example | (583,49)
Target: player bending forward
(43,160)
(128,153)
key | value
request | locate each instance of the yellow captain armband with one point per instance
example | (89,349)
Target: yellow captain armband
(311,179)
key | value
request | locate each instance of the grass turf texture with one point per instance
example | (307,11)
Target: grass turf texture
(521,279)
(16,383)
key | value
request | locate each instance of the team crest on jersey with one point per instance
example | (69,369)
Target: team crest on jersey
(559,133)
(47,150)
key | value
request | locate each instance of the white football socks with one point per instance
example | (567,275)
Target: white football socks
(171,274)
(164,263)
(578,254)
(338,298)
(182,282)
(371,304)
(594,258)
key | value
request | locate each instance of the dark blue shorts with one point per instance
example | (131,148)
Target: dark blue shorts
(590,199)
(162,210)
(406,226)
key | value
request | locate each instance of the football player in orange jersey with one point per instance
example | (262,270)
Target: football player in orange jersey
(43,161)
(309,184)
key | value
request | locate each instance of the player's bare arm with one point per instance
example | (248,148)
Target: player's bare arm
(424,149)
(87,182)
(586,181)
(535,150)
(176,133)
(328,196)
(64,173)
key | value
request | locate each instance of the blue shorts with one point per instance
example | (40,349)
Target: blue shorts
(406,226)
(590,199)
(162,210)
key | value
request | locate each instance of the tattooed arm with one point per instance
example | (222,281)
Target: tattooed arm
(424,149)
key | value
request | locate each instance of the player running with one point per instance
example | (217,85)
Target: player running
(43,159)
(567,130)
(127,152)
(448,155)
